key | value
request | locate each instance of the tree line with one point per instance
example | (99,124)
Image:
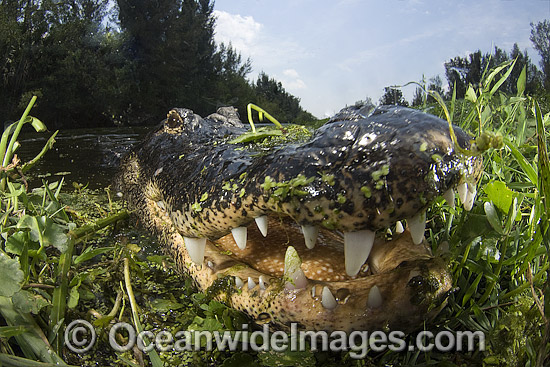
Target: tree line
(460,72)
(101,63)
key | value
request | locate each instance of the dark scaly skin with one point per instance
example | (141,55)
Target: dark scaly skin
(355,173)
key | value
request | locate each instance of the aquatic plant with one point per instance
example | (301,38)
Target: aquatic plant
(37,244)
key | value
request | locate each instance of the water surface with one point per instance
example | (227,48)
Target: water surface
(84,156)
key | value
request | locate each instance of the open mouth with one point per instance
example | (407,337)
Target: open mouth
(300,235)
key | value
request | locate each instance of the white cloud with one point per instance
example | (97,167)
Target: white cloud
(292,81)
(272,53)
(242,32)
(291,73)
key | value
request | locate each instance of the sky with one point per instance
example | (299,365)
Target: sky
(332,53)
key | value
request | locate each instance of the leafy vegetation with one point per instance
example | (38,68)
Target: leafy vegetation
(500,249)
(37,242)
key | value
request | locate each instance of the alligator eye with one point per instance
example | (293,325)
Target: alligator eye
(173,119)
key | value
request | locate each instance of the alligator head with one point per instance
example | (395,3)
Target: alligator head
(297,232)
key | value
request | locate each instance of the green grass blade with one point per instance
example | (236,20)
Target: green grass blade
(60,293)
(522,81)
(453,103)
(8,360)
(471,290)
(9,331)
(33,343)
(27,166)
(489,79)
(59,299)
(525,165)
(153,355)
(7,155)
(504,77)
(543,163)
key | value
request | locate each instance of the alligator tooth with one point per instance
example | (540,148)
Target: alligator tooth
(470,197)
(239,234)
(195,248)
(261,222)
(417,226)
(449,197)
(399,227)
(374,299)
(328,300)
(313,291)
(262,282)
(310,235)
(293,272)
(251,283)
(357,246)
(462,192)
(238,282)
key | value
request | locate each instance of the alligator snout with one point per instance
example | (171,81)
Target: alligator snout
(299,229)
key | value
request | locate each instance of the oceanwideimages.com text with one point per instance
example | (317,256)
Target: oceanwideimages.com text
(80,337)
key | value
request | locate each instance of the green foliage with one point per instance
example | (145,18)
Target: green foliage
(540,36)
(265,138)
(271,95)
(393,96)
(36,246)
(463,72)
(497,249)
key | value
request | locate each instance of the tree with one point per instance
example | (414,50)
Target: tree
(540,36)
(86,73)
(462,72)
(456,71)
(232,88)
(534,77)
(393,96)
(435,84)
(23,26)
(420,96)
(271,96)
(56,50)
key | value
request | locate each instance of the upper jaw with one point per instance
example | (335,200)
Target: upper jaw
(357,176)
(352,175)
(355,245)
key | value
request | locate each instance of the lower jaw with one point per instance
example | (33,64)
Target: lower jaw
(403,286)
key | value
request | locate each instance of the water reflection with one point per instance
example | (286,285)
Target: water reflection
(86,156)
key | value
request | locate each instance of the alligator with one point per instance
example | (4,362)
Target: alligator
(307,230)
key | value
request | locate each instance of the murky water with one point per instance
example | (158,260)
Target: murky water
(84,156)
